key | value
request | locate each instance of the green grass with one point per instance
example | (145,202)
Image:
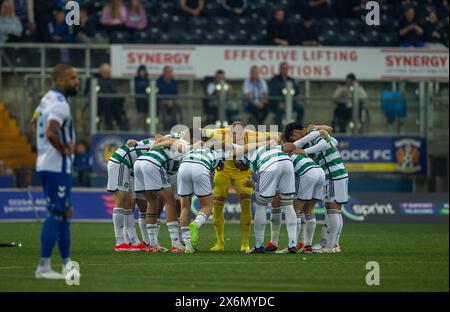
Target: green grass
(411,257)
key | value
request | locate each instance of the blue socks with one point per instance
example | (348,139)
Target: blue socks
(55,230)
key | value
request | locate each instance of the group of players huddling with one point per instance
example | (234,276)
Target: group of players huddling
(293,170)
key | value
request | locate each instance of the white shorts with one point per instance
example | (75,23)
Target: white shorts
(310,185)
(120,179)
(173,183)
(149,177)
(336,191)
(193,178)
(281,180)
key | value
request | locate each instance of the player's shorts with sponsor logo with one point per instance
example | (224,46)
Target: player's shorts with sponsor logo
(276,180)
(149,176)
(57,189)
(310,185)
(194,178)
(336,191)
(120,179)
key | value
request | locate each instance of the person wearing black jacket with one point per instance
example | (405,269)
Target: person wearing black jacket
(141,83)
(307,34)
(433,30)
(278,30)
(87,28)
(234,7)
(110,108)
(277,103)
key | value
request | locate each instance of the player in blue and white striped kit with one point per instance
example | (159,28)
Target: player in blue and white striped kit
(55,148)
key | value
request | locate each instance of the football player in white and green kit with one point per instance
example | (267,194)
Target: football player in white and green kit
(309,188)
(121,184)
(324,150)
(275,173)
(195,178)
(151,179)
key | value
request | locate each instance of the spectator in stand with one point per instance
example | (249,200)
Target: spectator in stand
(45,13)
(192,7)
(343,98)
(317,8)
(348,8)
(110,108)
(214,89)
(136,16)
(82,163)
(114,16)
(278,104)
(433,30)
(85,32)
(307,34)
(58,29)
(167,98)
(234,7)
(411,33)
(278,30)
(10,25)
(255,97)
(24,10)
(141,83)
(60,32)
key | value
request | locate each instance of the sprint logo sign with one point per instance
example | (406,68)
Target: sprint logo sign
(359,211)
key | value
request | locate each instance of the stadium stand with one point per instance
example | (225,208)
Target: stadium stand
(168,25)
(15,149)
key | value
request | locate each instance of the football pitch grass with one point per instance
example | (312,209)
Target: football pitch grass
(411,257)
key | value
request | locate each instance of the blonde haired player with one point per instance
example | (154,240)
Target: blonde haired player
(232,175)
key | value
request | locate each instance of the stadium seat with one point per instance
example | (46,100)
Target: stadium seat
(369,39)
(170,7)
(120,37)
(198,22)
(352,24)
(388,40)
(143,37)
(241,22)
(346,39)
(325,24)
(328,37)
(393,105)
(212,8)
(220,22)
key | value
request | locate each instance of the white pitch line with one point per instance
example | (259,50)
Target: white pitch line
(150,263)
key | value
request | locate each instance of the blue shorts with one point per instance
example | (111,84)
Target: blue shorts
(57,190)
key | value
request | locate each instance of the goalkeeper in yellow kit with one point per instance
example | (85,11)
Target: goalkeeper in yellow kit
(231,174)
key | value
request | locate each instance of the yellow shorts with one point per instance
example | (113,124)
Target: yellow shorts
(223,180)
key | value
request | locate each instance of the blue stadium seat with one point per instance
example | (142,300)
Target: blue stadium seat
(393,104)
